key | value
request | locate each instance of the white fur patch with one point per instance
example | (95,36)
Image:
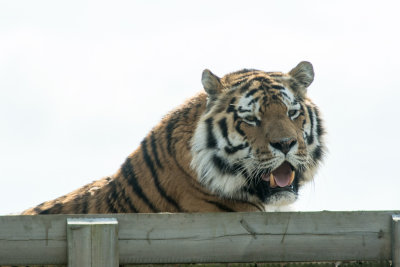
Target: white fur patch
(282,199)
(202,162)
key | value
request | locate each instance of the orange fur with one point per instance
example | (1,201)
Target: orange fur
(164,174)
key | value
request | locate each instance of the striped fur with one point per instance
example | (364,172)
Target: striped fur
(215,151)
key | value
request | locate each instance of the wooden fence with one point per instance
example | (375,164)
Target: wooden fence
(113,239)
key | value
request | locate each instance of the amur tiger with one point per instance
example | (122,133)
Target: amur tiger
(249,141)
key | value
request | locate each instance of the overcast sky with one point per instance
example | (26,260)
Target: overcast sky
(81,83)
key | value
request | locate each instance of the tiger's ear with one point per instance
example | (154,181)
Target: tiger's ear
(303,73)
(211,83)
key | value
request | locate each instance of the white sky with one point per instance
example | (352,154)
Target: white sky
(81,83)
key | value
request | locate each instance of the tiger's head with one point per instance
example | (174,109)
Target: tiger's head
(260,137)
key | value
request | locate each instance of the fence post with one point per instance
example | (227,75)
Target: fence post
(92,242)
(396,240)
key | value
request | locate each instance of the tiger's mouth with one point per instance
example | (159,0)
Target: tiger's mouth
(281,179)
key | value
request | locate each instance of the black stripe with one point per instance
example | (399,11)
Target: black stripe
(261,79)
(286,95)
(260,189)
(238,128)
(154,150)
(220,206)
(274,74)
(245,87)
(129,173)
(211,141)
(230,109)
(257,78)
(264,100)
(254,100)
(320,129)
(38,209)
(185,111)
(310,138)
(225,167)
(150,165)
(252,92)
(240,81)
(224,129)
(317,154)
(169,129)
(221,164)
(85,204)
(231,106)
(123,196)
(44,212)
(237,83)
(196,109)
(112,198)
(302,113)
(241,110)
(56,208)
(302,109)
(278,87)
(234,149)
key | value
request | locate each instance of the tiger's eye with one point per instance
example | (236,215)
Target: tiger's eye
(292,112)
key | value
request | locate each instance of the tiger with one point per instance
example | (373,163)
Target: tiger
(249,141)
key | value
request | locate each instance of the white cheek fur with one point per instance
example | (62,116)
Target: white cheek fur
(207,172)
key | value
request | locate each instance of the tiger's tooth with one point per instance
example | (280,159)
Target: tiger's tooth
(272,182)
(291,178)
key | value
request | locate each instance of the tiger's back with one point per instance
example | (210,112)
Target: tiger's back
(232,148)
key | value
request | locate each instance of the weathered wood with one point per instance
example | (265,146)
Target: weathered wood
(92,242)
(291,264)
(33,240)
(205,237)
(396,240)
(255,237)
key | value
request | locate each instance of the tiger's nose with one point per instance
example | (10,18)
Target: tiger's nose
(284,144)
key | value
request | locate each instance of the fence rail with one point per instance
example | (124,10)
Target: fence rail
(199,238)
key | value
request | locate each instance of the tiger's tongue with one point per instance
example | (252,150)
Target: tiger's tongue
(282,175)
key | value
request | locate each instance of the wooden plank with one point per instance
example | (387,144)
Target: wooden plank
(255,237)
(205,237)
(92,242)
(291,264)
(33,240)
(79,244)
(396,240)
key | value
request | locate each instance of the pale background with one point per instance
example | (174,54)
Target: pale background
(81,83)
